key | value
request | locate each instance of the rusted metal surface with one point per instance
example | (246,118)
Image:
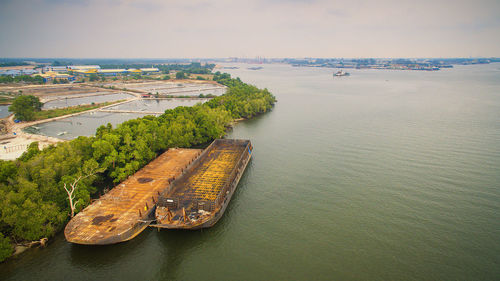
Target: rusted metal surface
(200,196)
(125,211)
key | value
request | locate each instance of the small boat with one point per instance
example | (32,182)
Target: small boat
(62,133)
(341,73)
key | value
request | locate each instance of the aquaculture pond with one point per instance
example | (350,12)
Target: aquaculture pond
(66,101)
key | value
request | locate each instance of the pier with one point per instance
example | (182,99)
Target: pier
(130,111)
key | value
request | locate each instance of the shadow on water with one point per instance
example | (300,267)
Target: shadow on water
(179,244)
(98,256)
(61,258)
(176,245)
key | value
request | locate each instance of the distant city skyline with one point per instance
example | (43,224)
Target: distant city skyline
(259,28)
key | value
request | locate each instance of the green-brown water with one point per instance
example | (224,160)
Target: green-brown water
(383,175)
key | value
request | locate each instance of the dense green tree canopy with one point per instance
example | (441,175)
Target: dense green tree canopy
(93,77)
(21,78)
(180,75)
(24,107)
(5,247)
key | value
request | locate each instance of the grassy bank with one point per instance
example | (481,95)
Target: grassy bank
(52,113)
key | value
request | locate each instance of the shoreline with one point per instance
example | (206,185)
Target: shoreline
(250,94)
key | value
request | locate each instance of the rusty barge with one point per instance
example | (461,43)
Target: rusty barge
(126,210)
(199,197)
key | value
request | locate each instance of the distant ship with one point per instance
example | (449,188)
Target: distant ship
(341,73)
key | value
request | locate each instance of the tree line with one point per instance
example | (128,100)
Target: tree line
(192,68)
(33,200)
(4,64)
(21,78)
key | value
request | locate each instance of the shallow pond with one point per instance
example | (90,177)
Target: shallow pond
(4,111)
(81,125)
(156,105)
(68,101)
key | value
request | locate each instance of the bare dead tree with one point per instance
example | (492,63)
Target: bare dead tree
(88,172)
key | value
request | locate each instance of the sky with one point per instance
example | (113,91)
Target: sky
(249,28)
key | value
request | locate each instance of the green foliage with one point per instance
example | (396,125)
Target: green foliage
(4,64)
(34,203)
(29,217)
(180,75)
(24,107)
(21,78)
(242,100)
(166,77)
(5,247)
(57,63)
(31,152)
(93,77)
(200,78)
(8,171)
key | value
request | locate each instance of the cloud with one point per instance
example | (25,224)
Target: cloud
(272,28)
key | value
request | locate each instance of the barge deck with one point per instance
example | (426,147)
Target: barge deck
(200,196)
(126,210)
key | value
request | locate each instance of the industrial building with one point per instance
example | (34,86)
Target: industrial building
(17,72)
(55,68)
(117,72)
(112,72)
(83,67)
(51,75)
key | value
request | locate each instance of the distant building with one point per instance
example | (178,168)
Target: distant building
(85,72)
(150,70)
(83,67)
(95,69)
(17,72)
(51,75)
(55,68)
(134,71)
(112,72)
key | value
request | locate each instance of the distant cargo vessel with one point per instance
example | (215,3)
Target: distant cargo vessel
(341,73)
(200,196)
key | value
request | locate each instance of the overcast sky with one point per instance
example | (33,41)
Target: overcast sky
(249,28)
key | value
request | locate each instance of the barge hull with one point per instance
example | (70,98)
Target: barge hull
(200,197)
(126,210)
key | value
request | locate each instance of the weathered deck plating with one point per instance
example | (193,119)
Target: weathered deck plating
(122,213)
(200,196)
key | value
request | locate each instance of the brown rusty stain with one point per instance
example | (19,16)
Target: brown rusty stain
(144,180)
(99,219)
